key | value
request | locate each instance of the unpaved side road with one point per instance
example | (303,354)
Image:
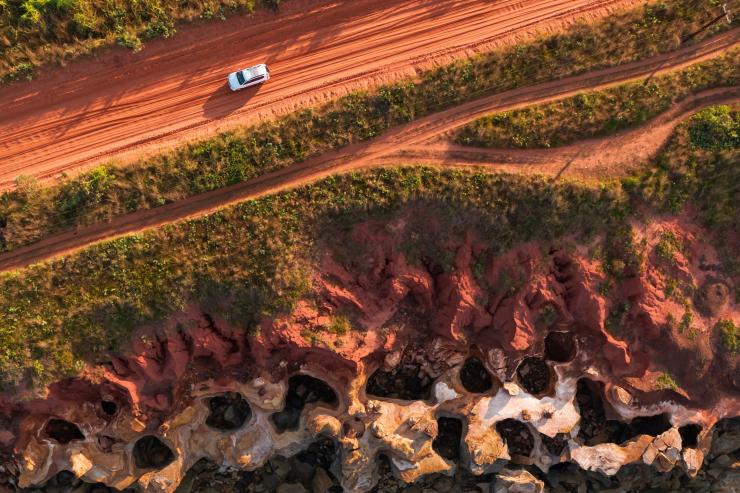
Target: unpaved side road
(590,159)
(127,103)
(368,154)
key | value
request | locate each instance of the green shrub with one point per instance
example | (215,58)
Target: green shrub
(715,128)
(666,382)
(705,175)
(339,325)
(668,246)
(729,334)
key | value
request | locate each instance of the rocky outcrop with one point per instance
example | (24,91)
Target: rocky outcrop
(440,370)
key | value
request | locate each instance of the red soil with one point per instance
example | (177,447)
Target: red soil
(398,304)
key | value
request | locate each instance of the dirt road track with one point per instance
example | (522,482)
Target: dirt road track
(363,155)
(125,103)
(590,159)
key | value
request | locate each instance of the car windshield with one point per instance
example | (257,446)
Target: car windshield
(240,78)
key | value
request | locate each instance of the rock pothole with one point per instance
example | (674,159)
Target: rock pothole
(63,431)
(152,453)
(647,425)
(593,427)
(407,382)
(517,436)
(475,377)
(302,390)
(109,407)
(690,435)
(555,445)
(449,436)
(560,346)
(66,482)
(228,411)
(534,375)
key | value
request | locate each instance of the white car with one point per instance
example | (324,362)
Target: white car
(249,77)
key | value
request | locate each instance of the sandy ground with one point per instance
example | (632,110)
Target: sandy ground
(389,147)
(124,104)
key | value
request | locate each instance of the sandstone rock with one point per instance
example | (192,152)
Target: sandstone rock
(517,481)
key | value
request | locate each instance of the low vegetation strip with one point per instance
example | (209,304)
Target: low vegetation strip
(34,32)
(257,258)
(699,165)
(31,212)
(598,113)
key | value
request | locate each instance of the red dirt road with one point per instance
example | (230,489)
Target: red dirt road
(114,106)
(381,151)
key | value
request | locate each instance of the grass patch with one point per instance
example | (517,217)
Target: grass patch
(668,246)
(244,154)
(255,259)
(600,113)
(37,32)
(693,169)
(339,325)
(729,334)
(666,382)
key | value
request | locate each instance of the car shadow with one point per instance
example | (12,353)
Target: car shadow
(224,101)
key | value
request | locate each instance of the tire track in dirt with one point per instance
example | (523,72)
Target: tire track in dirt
(590,159)
(126,103)
(367,154)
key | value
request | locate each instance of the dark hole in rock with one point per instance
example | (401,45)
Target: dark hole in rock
(302,390)
(152,453)
(560,346)
(307,471)
(690,435)
(101,488)
(60,480)
(449,434)
(66,481)
(534,375)
(555,445)
(594,428)
(474,376)
(228,411)
(63,431)
(646,425)
(109,407)
(517,436)
(320,453)
(407,381)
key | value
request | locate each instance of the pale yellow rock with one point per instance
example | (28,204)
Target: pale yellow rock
(328,425)
(485,446)
(187,416)
(621,396)
(517,481)
(35,463)
(693,460)
(137,425)
(79,464)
